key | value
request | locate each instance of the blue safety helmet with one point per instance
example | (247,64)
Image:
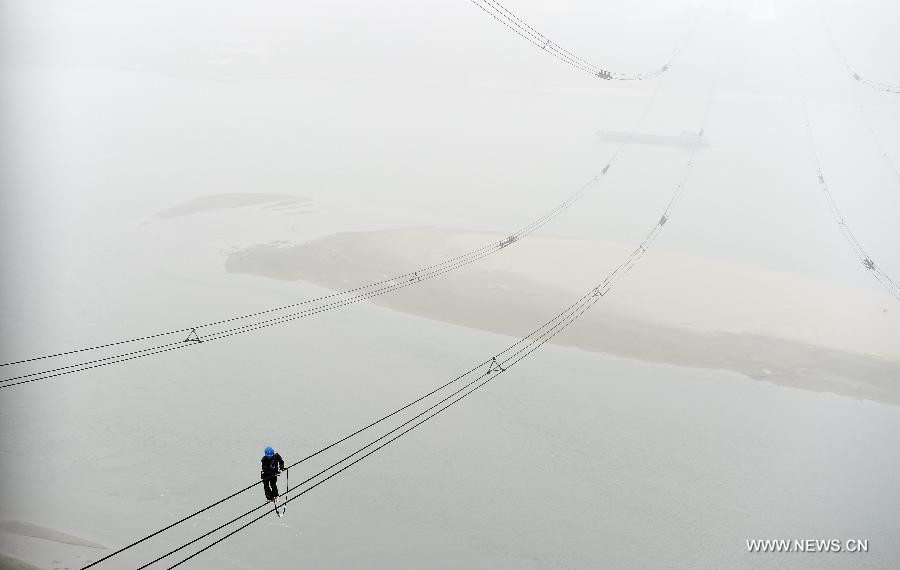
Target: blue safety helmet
(269,452)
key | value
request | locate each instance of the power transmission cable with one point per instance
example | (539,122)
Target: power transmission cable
(332,445)
(552,323)
(864,258)
(874,136)
(389,286)
(862,112)
(878,85)
(538,223)
(591,297)
(887,158)
(518,24)
(876,140)
(861,254)
(197,335)
(521,28)
(495,365)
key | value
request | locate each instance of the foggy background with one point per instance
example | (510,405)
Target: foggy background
(395,114)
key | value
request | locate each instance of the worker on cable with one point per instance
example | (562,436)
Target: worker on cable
(272,465)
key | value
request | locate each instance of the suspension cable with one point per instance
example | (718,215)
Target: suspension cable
(878,85)
(336,300)
(523,29)
(537,224)
(495,365)
(891,286)
(582,305)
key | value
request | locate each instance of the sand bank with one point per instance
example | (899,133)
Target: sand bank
(673,307)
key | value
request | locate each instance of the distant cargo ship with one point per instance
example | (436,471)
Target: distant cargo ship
(686,138)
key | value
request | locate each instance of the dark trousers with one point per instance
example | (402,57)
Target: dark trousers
(270,486)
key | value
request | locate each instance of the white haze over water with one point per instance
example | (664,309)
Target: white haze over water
(396,114)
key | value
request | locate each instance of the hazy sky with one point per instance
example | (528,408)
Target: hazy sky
(432,113)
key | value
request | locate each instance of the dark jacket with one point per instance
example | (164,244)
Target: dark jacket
(271,465)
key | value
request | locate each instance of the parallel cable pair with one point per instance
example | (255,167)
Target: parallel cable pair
(891,286)
(196,335)
(862,113)
(178,339)
(477,376)
(183,338)
(887,158)
(520,27)
(878,85)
